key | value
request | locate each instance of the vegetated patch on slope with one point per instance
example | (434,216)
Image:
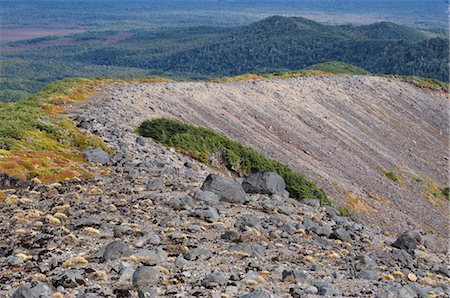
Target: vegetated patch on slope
(201,143)
(338,67)
(36,140)
(321,69)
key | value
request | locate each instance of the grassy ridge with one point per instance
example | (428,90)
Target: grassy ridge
(200,143)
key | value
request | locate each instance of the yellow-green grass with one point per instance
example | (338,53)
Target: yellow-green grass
(38,140)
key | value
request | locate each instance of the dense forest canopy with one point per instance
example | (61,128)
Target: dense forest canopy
(202,52)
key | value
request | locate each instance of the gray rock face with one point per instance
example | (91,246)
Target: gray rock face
(33,290)
(407,242)
(116,250)
(264,183)
(226,189)
(96,155)
(145,277)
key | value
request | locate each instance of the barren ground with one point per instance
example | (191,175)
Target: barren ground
(342,132)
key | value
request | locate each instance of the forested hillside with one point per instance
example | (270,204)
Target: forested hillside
(202,52)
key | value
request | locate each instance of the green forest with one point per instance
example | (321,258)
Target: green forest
(204,52)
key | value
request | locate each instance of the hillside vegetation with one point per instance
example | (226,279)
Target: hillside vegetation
(275,44)
(36,140)
(202,143)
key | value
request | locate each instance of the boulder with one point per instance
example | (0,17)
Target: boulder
(116,250)
(264,183)
(407,241)
(226,189)
(96,155)
(33,289)
(146,276)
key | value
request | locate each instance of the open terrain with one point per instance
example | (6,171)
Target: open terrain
(349,134)
(150,222)
(206,51)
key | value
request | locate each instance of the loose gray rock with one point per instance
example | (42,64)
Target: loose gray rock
(264,183)
(183,203)
(14,261)
(215,279)
(96,155)
(326,290)
(294,275)
(145,277)
(208,214)
(258,293)
(247,220)
(368,274)
(315,203)
(33,289)
(87,222)
(69,279)
(342,235)
(226,189)
(208,197)
(156,184)
(231,235)
(435,244)
(116,250)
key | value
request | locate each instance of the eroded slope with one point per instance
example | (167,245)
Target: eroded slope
(344,132)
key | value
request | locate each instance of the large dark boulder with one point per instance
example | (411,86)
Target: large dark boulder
(226,189)
(407,241)
(264,183)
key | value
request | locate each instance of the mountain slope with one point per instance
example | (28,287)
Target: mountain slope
(348,134)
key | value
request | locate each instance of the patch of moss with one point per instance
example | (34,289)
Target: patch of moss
(200,143)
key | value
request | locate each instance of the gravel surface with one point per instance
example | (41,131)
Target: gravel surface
(147,224)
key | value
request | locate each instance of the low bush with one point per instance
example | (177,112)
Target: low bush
(393,176)
(200,143)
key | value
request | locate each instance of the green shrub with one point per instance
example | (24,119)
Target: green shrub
(201,142)
(393,176)
(344,211)
(446,192)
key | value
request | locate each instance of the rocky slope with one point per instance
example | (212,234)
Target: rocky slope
(343,132)
(152,223)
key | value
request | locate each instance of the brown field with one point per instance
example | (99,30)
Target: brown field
(7,35)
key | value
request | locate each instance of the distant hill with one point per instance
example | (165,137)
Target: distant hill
(275,44)
(388,30)
(295,43)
